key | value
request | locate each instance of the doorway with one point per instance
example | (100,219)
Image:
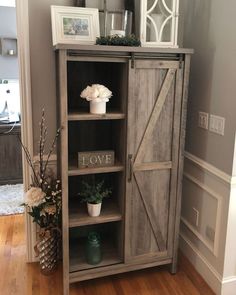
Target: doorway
(11,171)
(16,48)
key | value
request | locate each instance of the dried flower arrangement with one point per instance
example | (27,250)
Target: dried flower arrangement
(43,199)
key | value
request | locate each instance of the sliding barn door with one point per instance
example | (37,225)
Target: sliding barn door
(154,109)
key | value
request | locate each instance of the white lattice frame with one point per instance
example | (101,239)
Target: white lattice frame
(174,26)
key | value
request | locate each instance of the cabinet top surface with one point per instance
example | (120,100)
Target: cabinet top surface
(122,49)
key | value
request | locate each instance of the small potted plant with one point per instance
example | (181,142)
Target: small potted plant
(93,194)
(98,95)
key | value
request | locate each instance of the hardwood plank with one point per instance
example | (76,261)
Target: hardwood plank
(78,260)
(96,59)
(73,171)
(181,159)
(112,270)
(63,164)
(84,116)
(155,281)
(103,48)
(78,215)
(152,166)
(155,225)
(156,64)
(175,158)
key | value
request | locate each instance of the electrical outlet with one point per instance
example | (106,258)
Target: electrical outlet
(210,233)
(195,216)
(203,120)
(217,124)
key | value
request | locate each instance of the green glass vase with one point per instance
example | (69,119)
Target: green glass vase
(93,248)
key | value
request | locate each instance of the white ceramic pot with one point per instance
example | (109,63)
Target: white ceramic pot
(94,209)
(98,107)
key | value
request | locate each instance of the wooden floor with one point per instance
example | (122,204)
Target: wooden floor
(19,278)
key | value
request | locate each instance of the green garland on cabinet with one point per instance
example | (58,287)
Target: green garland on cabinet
(119,41)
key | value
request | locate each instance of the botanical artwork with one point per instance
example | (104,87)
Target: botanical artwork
(75,26)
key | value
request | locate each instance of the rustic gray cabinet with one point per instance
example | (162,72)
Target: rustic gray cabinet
(145,126)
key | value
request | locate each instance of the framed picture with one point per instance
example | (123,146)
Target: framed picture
(74,25)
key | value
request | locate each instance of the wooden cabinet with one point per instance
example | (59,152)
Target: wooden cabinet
(145,126)
(10,154)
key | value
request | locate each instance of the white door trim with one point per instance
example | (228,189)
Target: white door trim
(26,109)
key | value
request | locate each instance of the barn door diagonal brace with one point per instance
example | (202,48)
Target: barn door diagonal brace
(155,114)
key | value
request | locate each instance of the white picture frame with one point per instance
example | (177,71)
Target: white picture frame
(74,25)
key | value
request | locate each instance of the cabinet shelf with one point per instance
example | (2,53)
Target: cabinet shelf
(85,116)
(78,215)
(78,259)
(75,171)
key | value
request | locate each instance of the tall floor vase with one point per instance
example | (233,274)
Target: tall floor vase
(48,250)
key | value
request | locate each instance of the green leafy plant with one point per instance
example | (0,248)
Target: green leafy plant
(94,193)
(119,41)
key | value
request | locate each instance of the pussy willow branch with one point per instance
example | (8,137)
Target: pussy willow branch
(41,147)
(29,161)
(51,149)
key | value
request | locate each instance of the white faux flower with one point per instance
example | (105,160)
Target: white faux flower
(104,92)
(34,197)
(96,92)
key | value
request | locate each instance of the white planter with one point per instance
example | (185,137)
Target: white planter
(94,209)
(98,107)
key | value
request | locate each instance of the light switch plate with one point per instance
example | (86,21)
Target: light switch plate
(203,120)
(217,124)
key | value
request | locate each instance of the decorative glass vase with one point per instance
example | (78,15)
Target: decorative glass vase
(93,248)
(47,249)
(118,22)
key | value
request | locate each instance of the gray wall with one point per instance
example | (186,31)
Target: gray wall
(42,59)
(209,28)
(8,64)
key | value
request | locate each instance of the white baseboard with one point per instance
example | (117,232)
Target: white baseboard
(200,263)
(229,286)
(226,286)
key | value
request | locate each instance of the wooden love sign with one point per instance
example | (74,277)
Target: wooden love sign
(96,159)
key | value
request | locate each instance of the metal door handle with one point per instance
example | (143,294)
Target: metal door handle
(130,167)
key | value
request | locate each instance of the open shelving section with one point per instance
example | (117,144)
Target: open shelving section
(86,132)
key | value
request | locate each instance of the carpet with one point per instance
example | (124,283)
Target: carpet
(11,197)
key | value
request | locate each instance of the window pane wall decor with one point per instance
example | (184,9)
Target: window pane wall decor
(159,23)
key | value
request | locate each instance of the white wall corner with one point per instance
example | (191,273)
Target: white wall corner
(234,162)
(229,275)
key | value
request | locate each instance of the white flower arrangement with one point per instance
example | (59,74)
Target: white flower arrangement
(96,93)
